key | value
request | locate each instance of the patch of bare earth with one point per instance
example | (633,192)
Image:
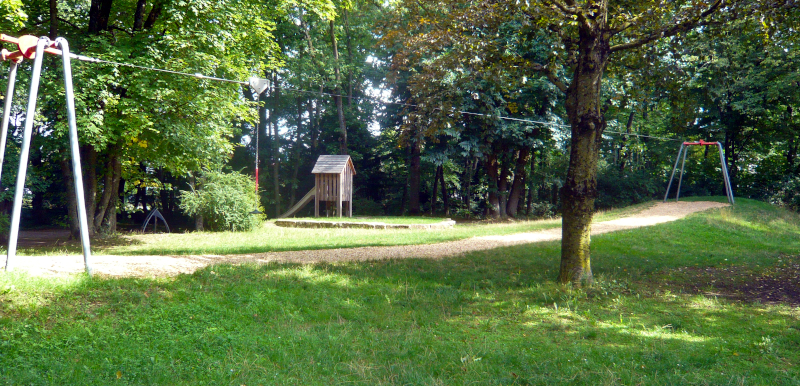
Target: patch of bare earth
(147,266)
(778,284)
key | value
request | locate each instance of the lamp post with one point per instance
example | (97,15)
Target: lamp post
(259,86)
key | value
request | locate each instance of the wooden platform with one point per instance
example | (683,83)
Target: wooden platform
(361,225)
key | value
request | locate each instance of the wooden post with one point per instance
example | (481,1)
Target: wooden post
(316,194)
(339,194)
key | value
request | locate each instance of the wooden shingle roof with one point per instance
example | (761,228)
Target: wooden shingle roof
(332,164)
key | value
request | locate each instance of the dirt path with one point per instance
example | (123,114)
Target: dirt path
(147,266)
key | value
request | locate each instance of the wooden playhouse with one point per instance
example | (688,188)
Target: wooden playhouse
(333,178)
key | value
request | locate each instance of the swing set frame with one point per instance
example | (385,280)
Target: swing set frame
(683,151)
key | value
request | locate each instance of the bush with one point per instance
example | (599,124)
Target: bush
(788,194)
(225,201)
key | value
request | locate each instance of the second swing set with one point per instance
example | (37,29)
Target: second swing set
(682,152)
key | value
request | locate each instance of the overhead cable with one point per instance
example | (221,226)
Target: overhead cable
(201,76)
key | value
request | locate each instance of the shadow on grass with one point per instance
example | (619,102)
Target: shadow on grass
(493,317)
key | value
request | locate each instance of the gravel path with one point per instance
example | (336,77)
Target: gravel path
(148,266)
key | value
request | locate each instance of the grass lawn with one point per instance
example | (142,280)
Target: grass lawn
(271,238)
(387,220)
(708,300)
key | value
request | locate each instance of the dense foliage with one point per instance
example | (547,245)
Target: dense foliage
(452,108)
(224,201)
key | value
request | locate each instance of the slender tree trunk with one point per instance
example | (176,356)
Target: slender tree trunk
(791,149)
(469,171)
(414,178)
(502,183)
(297,151)
(338,97)
(518,186)
(138,16)
(72,200)
(580,188)
(99,13)
(445,196)
(350,61)
(154,14)
(435,187)
(276,160)
(493,201)
(108,182)
(53,20)
(90,185)
(626,153)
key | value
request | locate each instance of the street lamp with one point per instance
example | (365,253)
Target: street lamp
(259,86)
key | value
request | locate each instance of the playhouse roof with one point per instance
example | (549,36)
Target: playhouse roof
(333,164)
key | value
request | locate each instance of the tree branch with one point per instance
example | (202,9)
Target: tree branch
(551,76)
(669,30)
(571,10)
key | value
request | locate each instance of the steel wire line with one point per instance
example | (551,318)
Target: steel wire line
(201,76)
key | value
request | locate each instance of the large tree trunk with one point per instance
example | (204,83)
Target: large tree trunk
(518,186)
(580,188)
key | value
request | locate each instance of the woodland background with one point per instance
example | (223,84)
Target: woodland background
(411,90)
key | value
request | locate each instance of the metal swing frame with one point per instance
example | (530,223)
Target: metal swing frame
(29,50)
(683,151)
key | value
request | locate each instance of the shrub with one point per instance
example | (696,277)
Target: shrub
(225,201)
(788,194)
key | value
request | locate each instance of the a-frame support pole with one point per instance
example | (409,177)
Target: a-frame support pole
(684,150)
(678,159)
(25,152)
(12,78)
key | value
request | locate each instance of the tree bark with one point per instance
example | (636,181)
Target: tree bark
(414,178)
(276,153)
(53,20)
(493,201)
(435,187)
(518,186)
(154,14)
(445,196)
(99,13)
(626,152)
(72,200)
(138,16)
(580,188)
(349,44)
(338,97)
(502,182)
(90,185)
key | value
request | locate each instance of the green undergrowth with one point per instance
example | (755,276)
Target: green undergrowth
(489,318)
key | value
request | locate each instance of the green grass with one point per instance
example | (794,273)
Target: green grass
(488,318)
(387,220)
(271,238)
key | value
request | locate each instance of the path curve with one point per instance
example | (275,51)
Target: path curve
(149,266)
